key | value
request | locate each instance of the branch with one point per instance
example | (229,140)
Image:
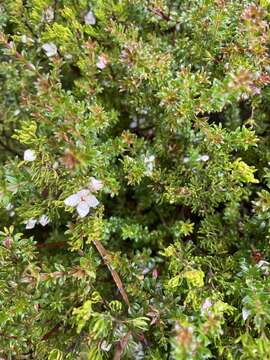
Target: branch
(8,336)
(160,13)
(52,245)
(103,253)
(121,346)
(51,332)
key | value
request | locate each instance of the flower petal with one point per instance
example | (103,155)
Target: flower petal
(44,220)
(95,184)
(72,200)
(92,201)
(102,62)
(245,313)
(29,155)
(83,193)
(204,157)
(30,224)
(48,15)
(89,18)
(83,209)
(50,49)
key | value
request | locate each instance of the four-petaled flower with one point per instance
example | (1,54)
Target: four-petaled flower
(48,15)
(89,18)
(203,157)
(83,200)
(50,49)
(29,155)
(95,185)
(102,62)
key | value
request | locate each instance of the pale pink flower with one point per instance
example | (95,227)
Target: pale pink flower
(102,62)
(30,224)
(105,346)
(203,157)
(44,220)
(29,155)
(206,306)
(48,15)
(89,18)
(95,185)
(50,49)
(245,313)
(83,200)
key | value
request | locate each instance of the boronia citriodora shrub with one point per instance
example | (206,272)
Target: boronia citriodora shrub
(134,179)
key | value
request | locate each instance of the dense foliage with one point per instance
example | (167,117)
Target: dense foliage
(134,179)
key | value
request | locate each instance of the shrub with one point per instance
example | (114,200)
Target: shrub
(135,179)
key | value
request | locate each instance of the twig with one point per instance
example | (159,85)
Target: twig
(51,332)
(103,253)
(121,346)
(8,336)
(160,13)
(170,7)
(53,245)
(78,340)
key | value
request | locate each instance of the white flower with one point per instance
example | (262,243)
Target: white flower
(55,165)
(207,304)
(264,266)
(50,49)
(9,207)
(203,158)
(149,162)
(68,56)
(48,15)
(89,18)
(134,122)
(138,352)
(24,39)
(102,62)
(262,263)
(29,155)
(44,220)
(30,224)
(83,201)
(185,159)
(245,313)
(95,185)
(105,346)
(205,308)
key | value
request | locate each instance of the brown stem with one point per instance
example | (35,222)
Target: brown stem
(51,332)
(121,346)
(160,13)
(103,253)
(8,336)
(53,245)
